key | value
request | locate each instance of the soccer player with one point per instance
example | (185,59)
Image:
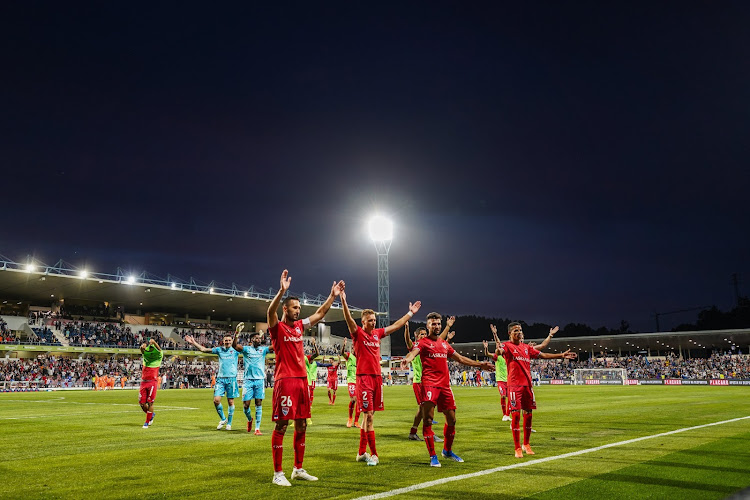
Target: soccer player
(366,342)
(351,383)
(291,397)
(416,366)
(152,356)
(312,372)
(333,380)
(501,378)
(254,356)
(436,386)
(226,380)
(518,357)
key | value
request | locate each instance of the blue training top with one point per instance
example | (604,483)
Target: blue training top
(255,362)
(227,362)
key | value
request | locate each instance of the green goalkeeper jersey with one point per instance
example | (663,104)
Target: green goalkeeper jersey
(152,357)
(416,365)
(501,369)
(351,369)
(312,370)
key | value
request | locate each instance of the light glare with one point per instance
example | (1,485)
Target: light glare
(380,228)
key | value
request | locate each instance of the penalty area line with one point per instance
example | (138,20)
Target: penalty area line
(517,465)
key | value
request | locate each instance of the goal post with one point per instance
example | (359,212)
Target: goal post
(600,376)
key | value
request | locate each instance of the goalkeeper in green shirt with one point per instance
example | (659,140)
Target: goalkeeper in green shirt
(152,356)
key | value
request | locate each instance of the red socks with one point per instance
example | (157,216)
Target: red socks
(371,442)
(356,413)
(504,404)
(526,427)
(429,439)
(413,430)
(333,401)
(299,449)
(449,432)
(277,447)
(351,408)
(362,442)
(514,425)
(149,416)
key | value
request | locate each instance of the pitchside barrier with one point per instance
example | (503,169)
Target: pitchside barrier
(649,381)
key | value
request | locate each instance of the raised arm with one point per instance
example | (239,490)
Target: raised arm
(413,308)
(318,315)
(407,337)
(552,332)
(350,323)
(153,343)
(486,351)
(560,355)
(498,345)
(315,352)
(271,315)
(409,357)
(237,330)
(448,325)
(470,362)
(190,340)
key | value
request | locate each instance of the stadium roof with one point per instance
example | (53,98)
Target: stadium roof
(654,344)
(39,284)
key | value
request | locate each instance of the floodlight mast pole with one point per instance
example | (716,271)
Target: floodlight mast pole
(384,307)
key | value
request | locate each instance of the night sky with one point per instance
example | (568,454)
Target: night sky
(557,162)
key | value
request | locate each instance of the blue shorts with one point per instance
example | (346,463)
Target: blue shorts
(253,389)
(228,386)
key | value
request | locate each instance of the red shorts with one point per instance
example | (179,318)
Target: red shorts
(418,392)
(502,387)
(291,399)
(333,384)
(148,392)
(352,390)
(442,397)
(521,397)
(370,392)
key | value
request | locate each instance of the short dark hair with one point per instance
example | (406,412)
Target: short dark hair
(289,299)
(419,330)
(434,315)
(254,334)
(512,324)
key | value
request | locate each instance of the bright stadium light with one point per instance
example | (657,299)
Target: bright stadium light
(210,290)
(30,268)
(380,229)
(244,294)
(173,286)
(83,274)
(130,280)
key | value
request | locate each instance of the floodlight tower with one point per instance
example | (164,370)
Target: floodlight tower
(381,233)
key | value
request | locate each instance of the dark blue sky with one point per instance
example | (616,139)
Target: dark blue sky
(558,162)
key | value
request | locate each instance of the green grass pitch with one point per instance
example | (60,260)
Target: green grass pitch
(76,444)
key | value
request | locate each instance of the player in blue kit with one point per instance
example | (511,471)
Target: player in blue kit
(226,378)
(254,356)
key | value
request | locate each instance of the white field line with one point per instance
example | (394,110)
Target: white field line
(50,415)
(438,482)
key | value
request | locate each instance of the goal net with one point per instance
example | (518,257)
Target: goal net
(600,376)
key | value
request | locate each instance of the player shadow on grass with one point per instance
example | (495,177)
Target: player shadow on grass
(715,468)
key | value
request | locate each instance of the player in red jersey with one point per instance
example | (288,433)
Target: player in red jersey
(416,366)
(333,380)
(518,357)
(291,398)
(152,357)
(366,342)
(351,384)
(436,387)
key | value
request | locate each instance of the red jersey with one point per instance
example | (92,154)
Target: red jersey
(333,372)
(434,355)
(518,358)
(367,347)
(149,373)
(290,350)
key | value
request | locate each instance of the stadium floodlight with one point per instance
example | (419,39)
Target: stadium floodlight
(130,280)
(211,290)
(30,267)
(173,286)
(83,274)
(244,294)
(380,229)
